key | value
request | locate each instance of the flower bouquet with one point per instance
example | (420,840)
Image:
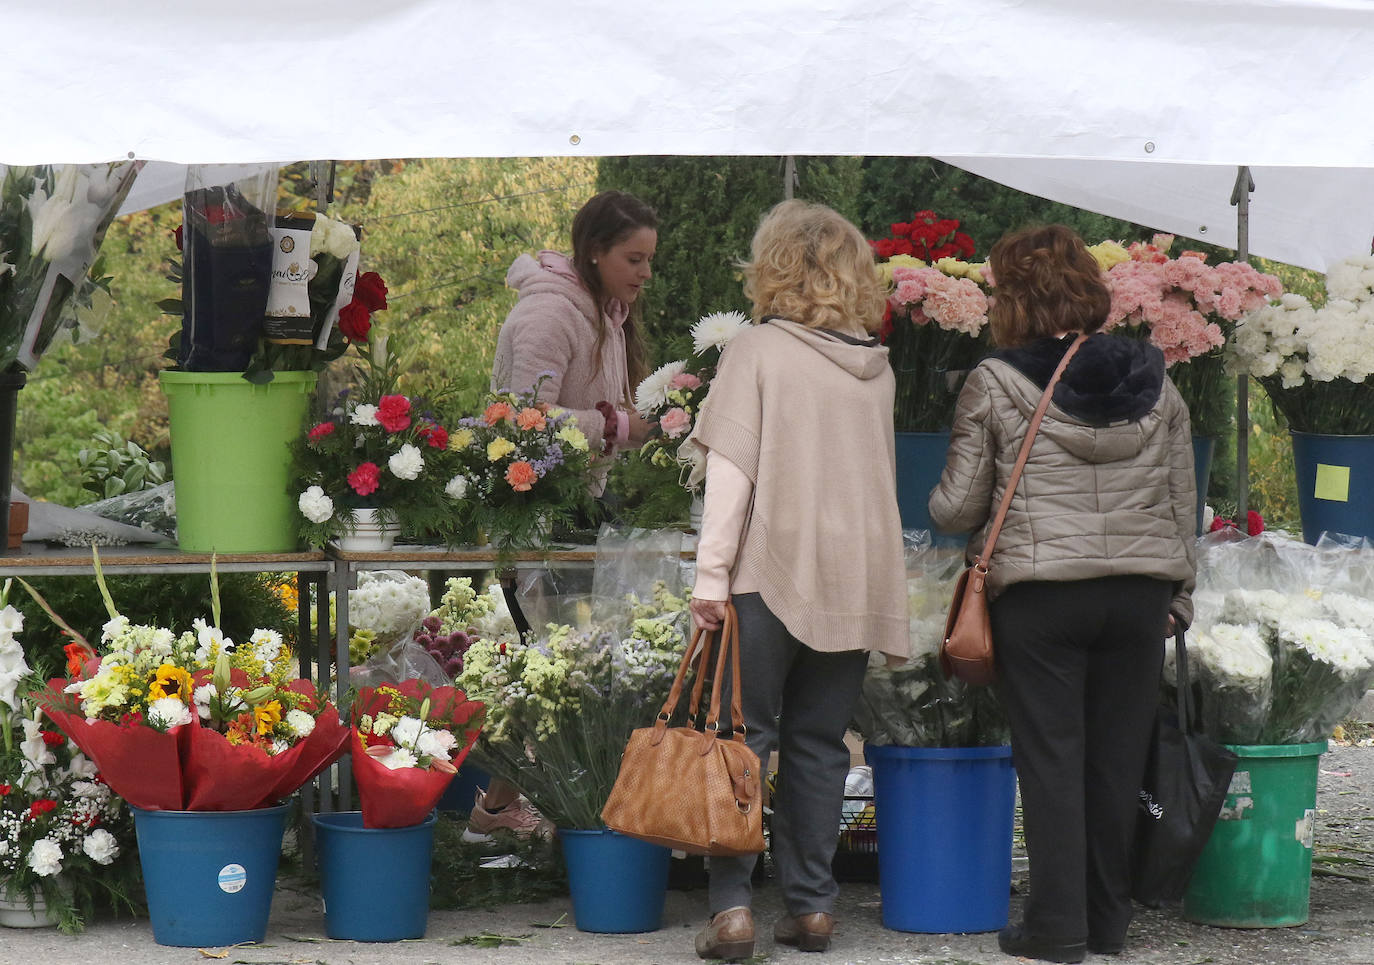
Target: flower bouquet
(61,829)
(449,630)
(522,467)
(561,704)
(192,721)
(52,221)
(673,394)
(1315,362)
(384,609)
(937,311)
(408,741)
(1280,638)
(385,452)
(914,705)
(1185,307)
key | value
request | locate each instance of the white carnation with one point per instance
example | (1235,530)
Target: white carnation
(266,644)
(101,846)
(457,487)
(300,723)
(364,415)
(168,712)
(45,858)
(406,463)
(315,505)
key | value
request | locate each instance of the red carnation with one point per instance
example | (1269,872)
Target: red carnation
(53,739)
(5,789)
(41,806)
(355,321)
(371,291)
(434,434)
(364,479)
(393,412)
(321,430)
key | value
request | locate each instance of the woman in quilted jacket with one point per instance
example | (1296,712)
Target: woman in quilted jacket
(1093,568)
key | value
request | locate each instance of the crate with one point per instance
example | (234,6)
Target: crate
(856,853)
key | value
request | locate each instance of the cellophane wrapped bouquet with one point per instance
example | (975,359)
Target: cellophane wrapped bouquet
(408,740)
(562,702)
(937,313)
(913,704)
(384,611)
(672,395)
(192,720)
(1186,307)
(1280,647)
(65,838)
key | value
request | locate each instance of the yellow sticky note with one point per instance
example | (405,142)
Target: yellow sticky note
(1333,483)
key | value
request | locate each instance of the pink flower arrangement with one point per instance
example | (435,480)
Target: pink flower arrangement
(675,422)
(928,294)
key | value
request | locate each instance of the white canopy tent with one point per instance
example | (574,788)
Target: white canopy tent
(1138,111)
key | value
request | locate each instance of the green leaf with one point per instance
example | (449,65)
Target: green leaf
(170,306)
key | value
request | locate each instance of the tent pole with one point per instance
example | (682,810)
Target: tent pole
(1240,197)
(789,176)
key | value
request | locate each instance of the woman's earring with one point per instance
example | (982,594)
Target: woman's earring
(593,261)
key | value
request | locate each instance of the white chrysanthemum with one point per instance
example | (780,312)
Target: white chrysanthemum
(1346,650)
(168,712)
(101,846)
(315,505)
(300,723)
(364,415)
(45,858)
(406,463)
(388,601)
(1347,610)
(406,730)
(716,330)
(1233,655)
(457,487)
(652,393)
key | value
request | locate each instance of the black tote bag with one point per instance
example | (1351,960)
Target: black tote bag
(1186,780)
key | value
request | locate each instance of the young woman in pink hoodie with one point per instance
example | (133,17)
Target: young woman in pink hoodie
(576,323)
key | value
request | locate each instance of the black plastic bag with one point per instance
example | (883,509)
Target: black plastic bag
(1186,780)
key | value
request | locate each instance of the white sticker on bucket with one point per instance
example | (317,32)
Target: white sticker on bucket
(1304,828)
(232,878)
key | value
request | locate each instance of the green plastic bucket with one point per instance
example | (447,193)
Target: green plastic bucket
(231,459)
(1256,871)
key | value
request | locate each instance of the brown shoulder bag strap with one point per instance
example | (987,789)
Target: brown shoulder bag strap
(981,562)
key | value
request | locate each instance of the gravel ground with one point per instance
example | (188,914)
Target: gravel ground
(1340,929)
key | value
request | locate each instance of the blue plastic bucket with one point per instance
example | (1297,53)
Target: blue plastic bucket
(944,836)
(209,875)
(1335,484)
(374,881)
(618,883)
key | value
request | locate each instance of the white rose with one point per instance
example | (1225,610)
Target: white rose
(315,505)
(45,858)
(407,463)
(101,846)
(457,487)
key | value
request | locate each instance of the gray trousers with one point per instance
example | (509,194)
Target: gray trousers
(798,701)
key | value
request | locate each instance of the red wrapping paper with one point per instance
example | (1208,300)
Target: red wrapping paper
(139,764)
(405,796)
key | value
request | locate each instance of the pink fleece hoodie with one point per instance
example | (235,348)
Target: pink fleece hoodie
(553,328)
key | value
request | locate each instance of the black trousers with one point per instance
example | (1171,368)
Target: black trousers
(1078,666)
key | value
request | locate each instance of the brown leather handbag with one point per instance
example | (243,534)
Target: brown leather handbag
(689,788)
(967,649)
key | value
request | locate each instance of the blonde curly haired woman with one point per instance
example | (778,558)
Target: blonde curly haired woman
(801,531)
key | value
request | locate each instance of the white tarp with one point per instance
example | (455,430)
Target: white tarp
(1271,83)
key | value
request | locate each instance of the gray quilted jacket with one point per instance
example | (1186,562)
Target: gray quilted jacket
(1109,487)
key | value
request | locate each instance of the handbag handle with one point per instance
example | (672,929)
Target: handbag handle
(1184,683)
(703,638)
(980,562)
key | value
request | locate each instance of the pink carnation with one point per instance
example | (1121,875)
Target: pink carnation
(675,422)
(684,380)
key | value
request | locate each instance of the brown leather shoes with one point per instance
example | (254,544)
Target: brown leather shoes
(730,935)
(809,933)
